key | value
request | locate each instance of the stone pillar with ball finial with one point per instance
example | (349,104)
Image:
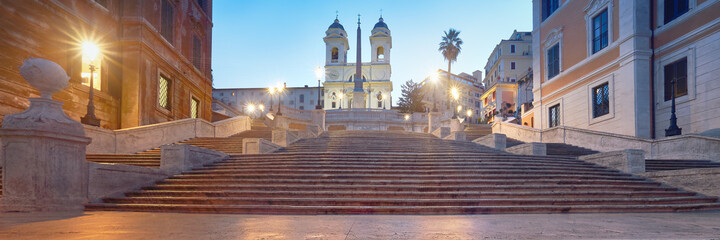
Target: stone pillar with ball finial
(43,150)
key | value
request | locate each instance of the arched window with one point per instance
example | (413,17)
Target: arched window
(334,54)
(380,53)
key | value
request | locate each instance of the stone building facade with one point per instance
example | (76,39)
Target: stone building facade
(340,74)
(606,65)
(154,63)
(302,98)
(509,62)
(436,89)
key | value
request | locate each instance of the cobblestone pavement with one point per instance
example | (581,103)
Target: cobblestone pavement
(134,225)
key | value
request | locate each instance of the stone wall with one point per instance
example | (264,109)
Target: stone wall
(688,146)
(705,181)
(146,137)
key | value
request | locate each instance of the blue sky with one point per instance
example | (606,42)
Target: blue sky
(258,43)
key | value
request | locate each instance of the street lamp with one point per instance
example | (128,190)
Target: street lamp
(384,96)
(280,89)
(455,93)
(468,114)
(271,90)
(250,109)
(318,73)
(262,108)
(673,130)
(91,51)
(341,99)
(434,79)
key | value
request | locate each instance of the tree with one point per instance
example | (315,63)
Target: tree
(450,49)
(411,99)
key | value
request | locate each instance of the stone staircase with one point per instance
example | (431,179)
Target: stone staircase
(151,158)
(475,131)
(654,165)
(562,149)
(372,172)
(0,181)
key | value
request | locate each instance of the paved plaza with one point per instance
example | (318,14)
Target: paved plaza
(135,225)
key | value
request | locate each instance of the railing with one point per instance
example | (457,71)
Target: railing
(373,115)
(296,113)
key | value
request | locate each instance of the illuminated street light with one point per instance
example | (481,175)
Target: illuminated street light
(407,117)
(280,90)
(468,114)
(455,93)
(271,90)
(91,52)
(383,100)
(319,72)
(434,77)
(262,108)
(341,99)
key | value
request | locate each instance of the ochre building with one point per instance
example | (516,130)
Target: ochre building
(153,66)
(610,65)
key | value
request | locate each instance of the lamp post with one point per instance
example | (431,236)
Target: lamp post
(318,73)
(280,103)
(91,51)
(271,90)
(341,99)
(673,130)
(384,96)
(250,110)
(455,95)
(434,79)
(468,114)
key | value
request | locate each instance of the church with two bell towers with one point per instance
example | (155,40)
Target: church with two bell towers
(361,84)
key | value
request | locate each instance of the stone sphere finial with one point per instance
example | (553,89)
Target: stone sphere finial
(44,75)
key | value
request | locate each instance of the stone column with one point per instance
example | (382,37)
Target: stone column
(43,149)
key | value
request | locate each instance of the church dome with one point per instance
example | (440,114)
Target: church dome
(381,24)
(336,24)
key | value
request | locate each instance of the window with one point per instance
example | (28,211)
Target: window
(334,54)
(600,31)
(203,5)
(197,52)
(601,100)
(194,108)
(333,104)
(379,104)
(512,65)
(302,107)
(166,26)
(96,76)
(512,48)
(548,8)
(676,74)
(553,61)
(675,9)
(554,113)
(302,98)
(222,94)
(102,3)
(164,92)
(380,53)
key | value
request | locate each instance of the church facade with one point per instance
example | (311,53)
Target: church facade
(339,85)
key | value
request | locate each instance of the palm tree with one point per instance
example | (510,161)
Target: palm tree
(450,49)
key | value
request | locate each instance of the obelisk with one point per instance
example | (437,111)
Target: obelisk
(358,93)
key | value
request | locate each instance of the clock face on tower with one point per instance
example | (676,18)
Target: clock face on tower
(332,75)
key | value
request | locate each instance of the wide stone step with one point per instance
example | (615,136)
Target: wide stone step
(424,182)
(405,188)
(284,209)
(569,176)
(411,195)
(596,172)
(306,166)
(396,165)
(408,202)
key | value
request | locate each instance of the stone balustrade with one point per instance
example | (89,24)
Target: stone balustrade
(132,140)
(688,146)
